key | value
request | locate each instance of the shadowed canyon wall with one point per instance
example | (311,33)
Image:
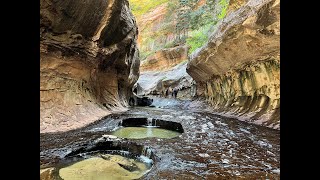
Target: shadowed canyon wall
(89,61)
(238,70)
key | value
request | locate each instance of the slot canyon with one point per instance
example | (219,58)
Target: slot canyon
(146,89)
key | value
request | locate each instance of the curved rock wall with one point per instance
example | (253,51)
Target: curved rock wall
(88,61)
(157,82)
(238,70)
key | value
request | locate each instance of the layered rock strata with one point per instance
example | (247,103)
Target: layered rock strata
(238,70)
(88,61)
(165,59)
(157,82)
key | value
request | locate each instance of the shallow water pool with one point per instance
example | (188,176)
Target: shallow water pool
(144,132)
(104,167)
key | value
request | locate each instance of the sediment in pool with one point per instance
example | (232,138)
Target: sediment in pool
(105,166)
(102,159)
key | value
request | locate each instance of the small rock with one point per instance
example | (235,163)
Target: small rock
(204,126)
(267,165)
(225,161)
(277,171)
(245,131)
(220,123)
(204,155)
(264,144)
(109,136)
(270,153)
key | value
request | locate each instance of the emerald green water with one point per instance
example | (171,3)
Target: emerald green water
(144,132)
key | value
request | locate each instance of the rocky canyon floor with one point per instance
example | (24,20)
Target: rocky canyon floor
(211,147)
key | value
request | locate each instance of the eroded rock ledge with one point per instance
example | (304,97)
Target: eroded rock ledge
(238,70)
(88,61)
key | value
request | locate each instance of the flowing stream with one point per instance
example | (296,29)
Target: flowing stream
(211,146)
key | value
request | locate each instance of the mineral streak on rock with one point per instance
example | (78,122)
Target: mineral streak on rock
(238,70)
(89,61)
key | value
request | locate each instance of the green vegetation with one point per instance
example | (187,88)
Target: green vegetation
(224,5)
(140,7)
(198,37)
(185,22)
(202,22)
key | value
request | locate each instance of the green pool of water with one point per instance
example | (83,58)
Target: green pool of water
(144,132)
(104,168)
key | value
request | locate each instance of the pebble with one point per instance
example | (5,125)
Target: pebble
(270,153)
(243,130)
(220,123)
(225,161)
(109,136)
(261,143)
(204,126)
(277,171)
(210,125)
(204,155)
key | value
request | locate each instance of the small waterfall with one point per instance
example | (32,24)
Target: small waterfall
(149,121)
(146,151)
(121,122)
(146,156)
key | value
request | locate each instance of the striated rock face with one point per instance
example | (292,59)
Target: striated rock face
(165,59)
(238,70)
(157,82)
(88,61)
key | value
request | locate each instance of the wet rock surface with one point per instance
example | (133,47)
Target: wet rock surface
(212,146)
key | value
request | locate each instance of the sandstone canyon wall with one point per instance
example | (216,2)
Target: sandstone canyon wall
(238,70)
(165,59)
(89,61)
